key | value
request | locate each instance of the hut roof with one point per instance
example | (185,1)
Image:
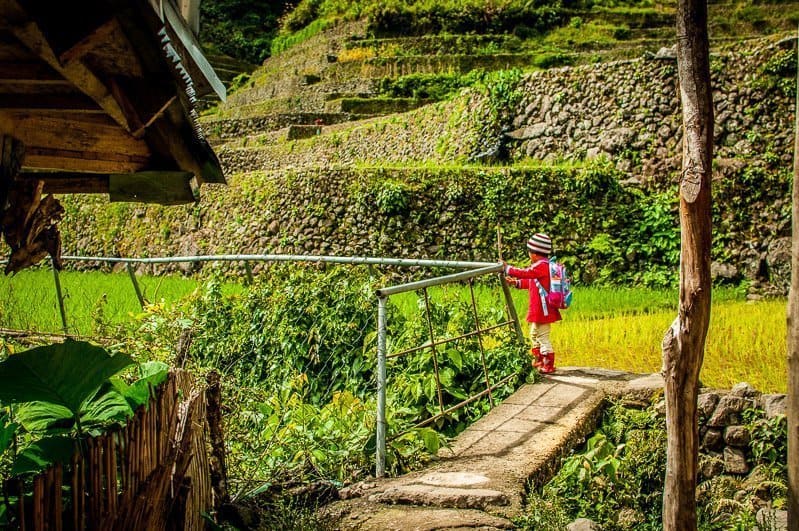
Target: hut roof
(97,96)
(101,94)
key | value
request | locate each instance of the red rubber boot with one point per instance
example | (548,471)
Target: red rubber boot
(538,359)
(549,363)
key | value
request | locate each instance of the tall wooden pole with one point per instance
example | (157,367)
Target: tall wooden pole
(793,339)
(684,344)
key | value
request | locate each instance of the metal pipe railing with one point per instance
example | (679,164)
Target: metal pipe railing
(382,424)
(351,260)
(382,355)
(421,284)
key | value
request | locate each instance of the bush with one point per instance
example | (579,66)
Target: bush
(434,87)
(617,479)
(620,472)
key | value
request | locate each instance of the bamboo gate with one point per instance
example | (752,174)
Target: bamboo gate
(153,473)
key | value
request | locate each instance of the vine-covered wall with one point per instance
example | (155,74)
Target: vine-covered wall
(603,231)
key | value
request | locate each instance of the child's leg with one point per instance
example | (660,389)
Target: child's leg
(542,338)
(534,336)
(547,352)
(535,351)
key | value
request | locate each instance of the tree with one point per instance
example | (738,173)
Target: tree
(241,28)
(684,343)
(793,343)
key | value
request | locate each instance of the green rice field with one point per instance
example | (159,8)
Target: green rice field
(606,327)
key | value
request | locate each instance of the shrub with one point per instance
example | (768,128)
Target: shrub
(620,471)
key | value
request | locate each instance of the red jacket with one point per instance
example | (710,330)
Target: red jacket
(526,279)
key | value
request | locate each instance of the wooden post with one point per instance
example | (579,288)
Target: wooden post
(684,343)
(135,283)
(60,296)
(213,405)
(793,339)
(12,151)
(248,272)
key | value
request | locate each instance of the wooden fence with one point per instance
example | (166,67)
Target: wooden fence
(151,474)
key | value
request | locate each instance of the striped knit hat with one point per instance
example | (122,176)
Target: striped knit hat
(540,243)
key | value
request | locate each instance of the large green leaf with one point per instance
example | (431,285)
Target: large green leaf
(39,455)
(37,417)
(108,407)
(7,431)
(151,374)
(65,374)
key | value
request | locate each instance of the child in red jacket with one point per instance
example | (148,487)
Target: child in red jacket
(535,279)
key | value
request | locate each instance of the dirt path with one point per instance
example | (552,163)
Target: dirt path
(480,480)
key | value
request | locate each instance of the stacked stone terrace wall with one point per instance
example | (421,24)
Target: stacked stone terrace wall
(304,195)
(630,111)
(724,431)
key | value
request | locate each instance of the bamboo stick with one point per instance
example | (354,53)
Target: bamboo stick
(110,475)
(134,478)
(22,519)
(89,484)
(77,492)
(58,478)
(38,503)
(97,488)
(47,504)
(123,463)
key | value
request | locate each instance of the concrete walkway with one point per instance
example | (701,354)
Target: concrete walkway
(480,480)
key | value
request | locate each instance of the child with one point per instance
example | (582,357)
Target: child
(535,279)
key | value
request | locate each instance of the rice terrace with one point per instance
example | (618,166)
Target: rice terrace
(399,265)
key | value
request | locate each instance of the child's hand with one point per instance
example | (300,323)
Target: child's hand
(510,280)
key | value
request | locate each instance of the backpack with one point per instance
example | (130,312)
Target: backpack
(560,287)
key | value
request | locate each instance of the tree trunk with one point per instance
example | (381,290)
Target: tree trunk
(684,344)
(793,342)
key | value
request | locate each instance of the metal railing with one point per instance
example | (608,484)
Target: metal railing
(246,259)
(432,344)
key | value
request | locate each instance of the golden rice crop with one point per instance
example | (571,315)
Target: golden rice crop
(746,342)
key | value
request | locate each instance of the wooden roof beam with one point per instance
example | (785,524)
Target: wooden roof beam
(76,133)
(161,187)
(48,102)
(91,41)
(29,34)
(29,73)
(40,157)
(69,182)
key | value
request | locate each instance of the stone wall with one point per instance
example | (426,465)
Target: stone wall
(228,129)
(725,434)
(618,122)
(630,111)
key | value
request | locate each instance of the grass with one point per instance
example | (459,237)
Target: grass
(623,328)
(611,328)
(28,299)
